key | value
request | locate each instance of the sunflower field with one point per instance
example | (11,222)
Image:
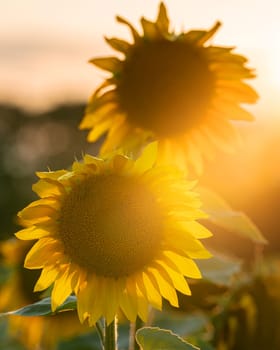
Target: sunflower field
(146,218)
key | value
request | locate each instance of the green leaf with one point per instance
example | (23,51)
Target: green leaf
(203,345)
(219,270)
(151,338)
(221,214)
(180,323)
(43,308)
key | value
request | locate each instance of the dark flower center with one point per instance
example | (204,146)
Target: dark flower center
(111,225)
(165,86)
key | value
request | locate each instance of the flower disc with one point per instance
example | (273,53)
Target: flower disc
(111,225)
(166,87)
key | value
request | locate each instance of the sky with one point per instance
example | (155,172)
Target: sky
(45,45)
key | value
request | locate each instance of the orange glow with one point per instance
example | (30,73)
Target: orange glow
(274,67)
(45,45)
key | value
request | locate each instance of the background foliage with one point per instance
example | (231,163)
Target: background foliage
(237,307)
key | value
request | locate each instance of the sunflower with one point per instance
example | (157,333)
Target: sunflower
(174,88)
(120,234)
(17,292)
(251,317)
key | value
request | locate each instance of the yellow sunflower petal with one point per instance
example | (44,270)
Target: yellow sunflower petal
(178,280)
(186,243)
(32,232)
(209,33)
(201,36)
(162,19)
(148,290)
(102,113)
(47,277)
(39,253)
(128,305)
(147,158)
(232,72)
(133,295)
(143,308)
(99,130)
(61,290)
(195,229)
(228,57)
(150,29)
(186,266)
(54,175)
(118,132)
(166,288)
(122,164)
(132,29)
(112,290)
(98,302)
(78,278)
(36,214)
(99,101)
(239,90)
(118,44)
(84,300)
(234,112)
(112,64)
(47,187)
(217,51)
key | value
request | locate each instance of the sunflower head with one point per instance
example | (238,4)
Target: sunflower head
(175,88)
(17,292)
(120,234)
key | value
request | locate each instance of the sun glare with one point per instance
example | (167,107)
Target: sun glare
(274,67)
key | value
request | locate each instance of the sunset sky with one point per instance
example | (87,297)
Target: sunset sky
(45,45)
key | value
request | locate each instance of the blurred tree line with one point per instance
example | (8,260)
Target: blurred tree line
(30,143)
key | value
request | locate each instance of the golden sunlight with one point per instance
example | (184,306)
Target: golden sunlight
(41,45)
(169,215)
(273,66)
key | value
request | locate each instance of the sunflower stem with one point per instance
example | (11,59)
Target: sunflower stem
(110,341)
(133,345)
(101,331)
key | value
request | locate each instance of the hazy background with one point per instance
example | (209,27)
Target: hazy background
(45,81)
(45,44)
